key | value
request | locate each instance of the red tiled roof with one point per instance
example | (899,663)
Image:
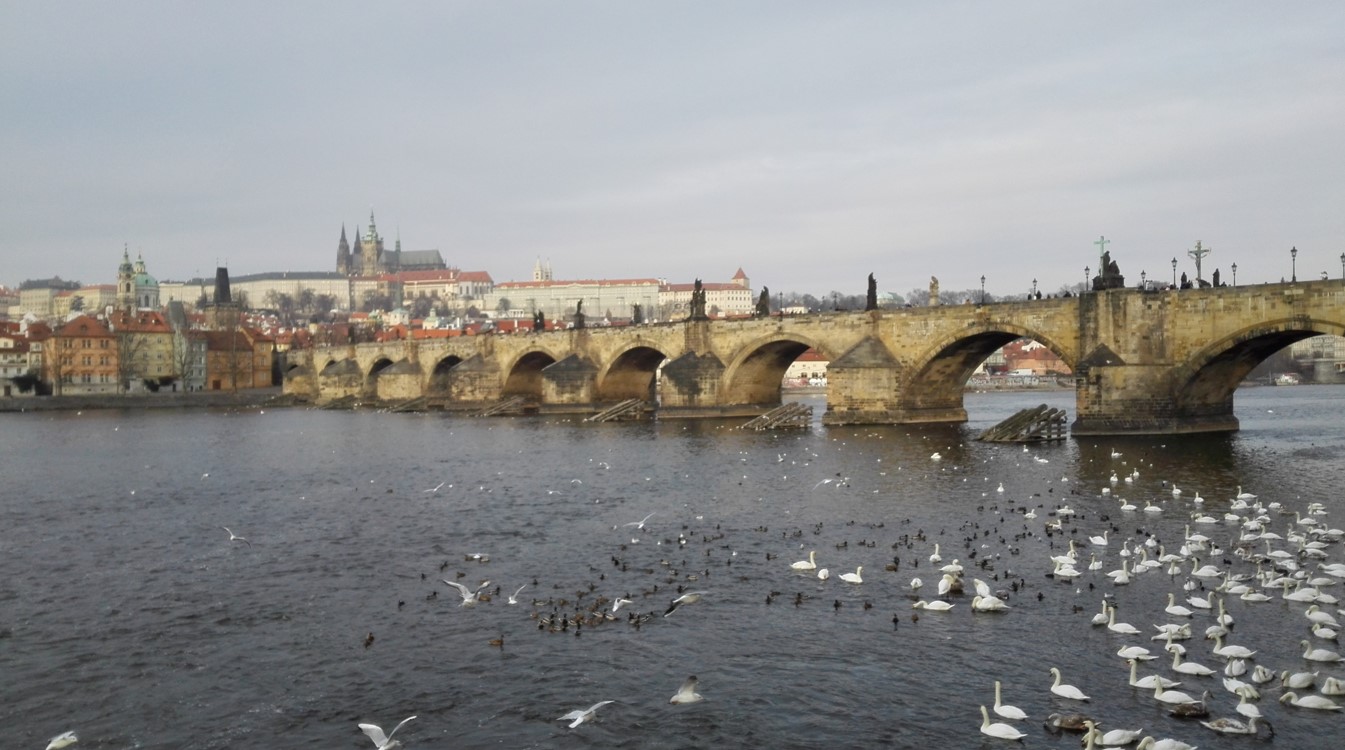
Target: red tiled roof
(474,276)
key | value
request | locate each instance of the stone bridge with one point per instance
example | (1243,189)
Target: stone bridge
(1145,362)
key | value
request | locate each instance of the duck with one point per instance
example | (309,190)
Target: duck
(1066,691)
(853,577)
(1310,701)
(998,729)
(1067,723)
(809,564)
(1008,712)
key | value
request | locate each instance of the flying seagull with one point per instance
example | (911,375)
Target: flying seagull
(375,733)
(236,538)
(64,739)
(581,715)
(640,523)
(434,488)
(513,598)
(687,692)
(690,597)
(469,596)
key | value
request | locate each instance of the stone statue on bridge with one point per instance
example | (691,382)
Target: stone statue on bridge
(1109,275)
(579,314)
(698,302)
(636,314)
(933,291)
(763,309)
(871,299)
(539,321)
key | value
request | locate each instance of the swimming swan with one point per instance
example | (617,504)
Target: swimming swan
(1066,691)
(1000,730)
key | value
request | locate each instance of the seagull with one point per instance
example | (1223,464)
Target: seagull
(64,739)
(690,597)
(434,488)
(687,692)
(581,715)
(620,602)
(236,538)
(513,598)
(640,523)
(469,596)
(375,733)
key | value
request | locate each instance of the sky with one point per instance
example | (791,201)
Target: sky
(809,143)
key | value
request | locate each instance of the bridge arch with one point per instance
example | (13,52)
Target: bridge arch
(754,374)
(938,377)
(523,377)
(441,374)
(1205,384)
(631,374)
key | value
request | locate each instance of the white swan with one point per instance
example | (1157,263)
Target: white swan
(1008,712)
(853,577)
(916,583)
(1244,495)
(809,564)
(1297,680)
(823,574)
(1113,738)
(1167,743)
(937,605)
(935,558)
(1310,701)
(1175,609)
(1333,686)
(1172,696)
(1065,691)
(1123,628)
(1138,653)
(1189,667)
(1231,652)
(1148,682)
(988,604)
(998,729)
(1100,541)
(1318,654)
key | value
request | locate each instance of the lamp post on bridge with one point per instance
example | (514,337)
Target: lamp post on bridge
(1342,265)
(1144,280)
(1086,274)
(1235,274)
(1293,257)
(1174,273)
(1034,281)
(781,305)
(983,289)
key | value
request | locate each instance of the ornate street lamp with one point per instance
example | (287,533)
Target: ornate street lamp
(1174,273)
(1143,279)
(1235,274)
(1293,257)
(1087,274)
(982,289)
(1342,265)
(1034,281)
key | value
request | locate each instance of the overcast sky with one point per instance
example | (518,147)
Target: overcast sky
(809,143)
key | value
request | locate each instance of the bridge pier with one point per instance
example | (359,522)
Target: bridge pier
(1142,400)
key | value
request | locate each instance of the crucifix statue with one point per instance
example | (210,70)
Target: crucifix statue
(1101,248)
(1196,254)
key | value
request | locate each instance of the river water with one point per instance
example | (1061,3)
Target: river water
(128,615)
